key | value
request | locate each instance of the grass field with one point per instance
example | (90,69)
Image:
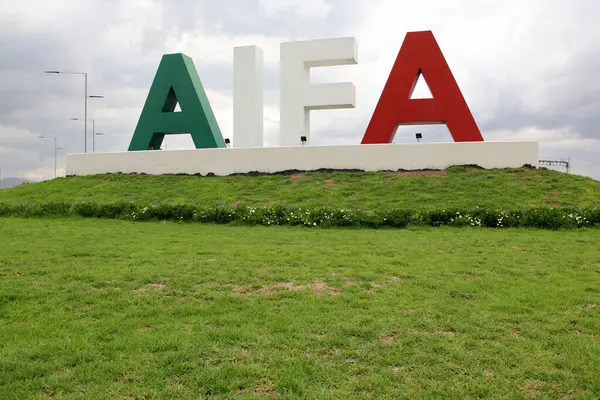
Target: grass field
(458,187)
(122,310)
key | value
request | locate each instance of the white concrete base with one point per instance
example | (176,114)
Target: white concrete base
(373,157)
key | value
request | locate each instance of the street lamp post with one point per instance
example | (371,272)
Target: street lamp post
(94,126)
(55,150)
(93,132)
(85,75)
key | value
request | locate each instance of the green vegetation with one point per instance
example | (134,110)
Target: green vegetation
(114,309)
(459,187)
(541,217)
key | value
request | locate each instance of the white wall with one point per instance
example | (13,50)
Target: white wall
(247,97)
(373,157)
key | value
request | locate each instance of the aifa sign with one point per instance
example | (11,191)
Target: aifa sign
(177,81)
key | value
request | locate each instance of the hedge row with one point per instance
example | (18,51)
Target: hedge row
(545,218)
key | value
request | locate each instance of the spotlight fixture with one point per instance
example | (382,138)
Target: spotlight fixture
(227,142)
(419,136)
(303,140)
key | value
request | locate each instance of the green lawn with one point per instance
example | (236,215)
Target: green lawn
(122,310)
(456,188)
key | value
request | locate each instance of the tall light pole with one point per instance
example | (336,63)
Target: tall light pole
(55,150)
(93,131)
(85,75)
(94,126)
(94,134)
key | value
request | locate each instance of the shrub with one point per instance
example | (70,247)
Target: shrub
(220,213)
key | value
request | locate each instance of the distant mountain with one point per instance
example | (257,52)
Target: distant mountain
(12,182)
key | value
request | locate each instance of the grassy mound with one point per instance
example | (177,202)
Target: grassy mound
(114,309)
(459,187)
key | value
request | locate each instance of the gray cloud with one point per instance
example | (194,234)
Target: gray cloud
(519,71)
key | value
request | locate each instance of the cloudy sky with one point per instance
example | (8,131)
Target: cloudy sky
(528,68)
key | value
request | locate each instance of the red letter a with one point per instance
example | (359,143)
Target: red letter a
(420,54)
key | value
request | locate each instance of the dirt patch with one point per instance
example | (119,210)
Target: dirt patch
(325,353)
(242,291)
(298,177)
(328,183)
(522,181)
(436,174)
(159,285)
(488,372)
(152,286)
(387,340)
(289,286)
(237,202)
(123,379)
(553,205)
(374,286)
(146,328)
(264,389)
(270,289)
(592,306)
(532,386)
(319,287)
(442,333)
(556,193)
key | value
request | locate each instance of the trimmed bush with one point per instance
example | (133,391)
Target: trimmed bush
(542,218)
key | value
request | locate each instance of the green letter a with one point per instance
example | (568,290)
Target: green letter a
(176,81)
